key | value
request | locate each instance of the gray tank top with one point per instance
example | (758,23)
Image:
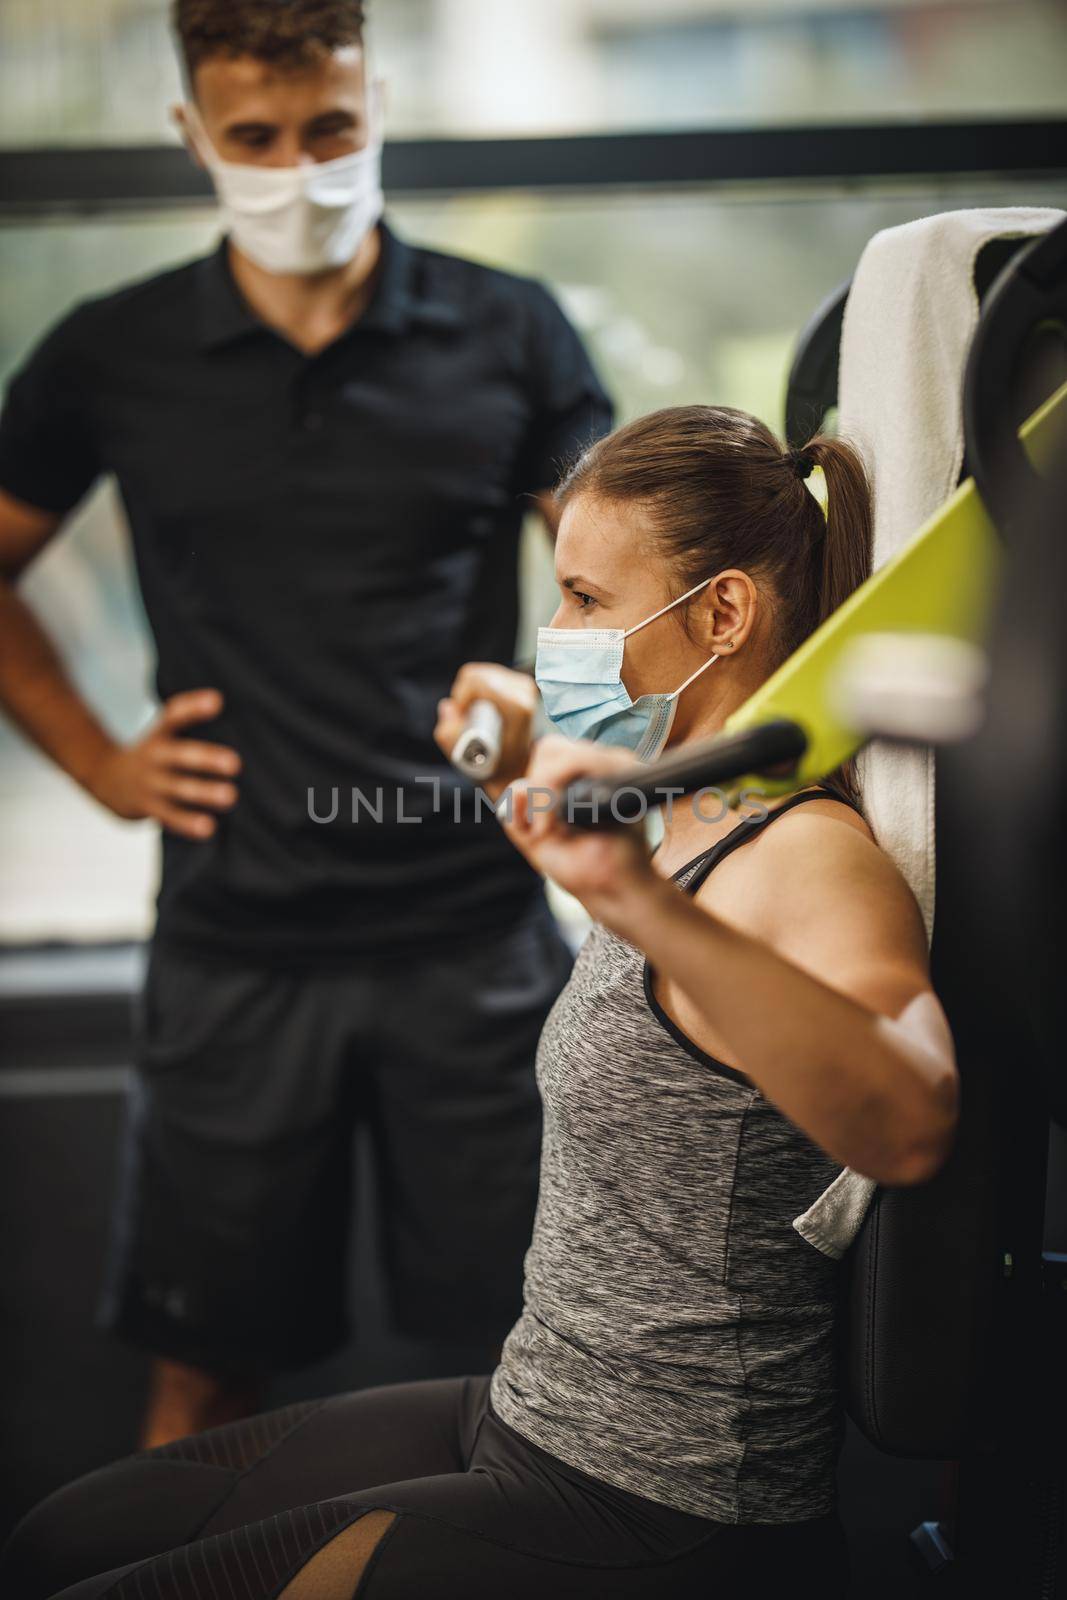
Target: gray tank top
(678,1336)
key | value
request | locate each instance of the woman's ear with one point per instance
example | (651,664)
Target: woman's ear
(730,615)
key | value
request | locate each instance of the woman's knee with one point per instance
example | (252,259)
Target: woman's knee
(321,1551)
(121,1513)
(337,1568)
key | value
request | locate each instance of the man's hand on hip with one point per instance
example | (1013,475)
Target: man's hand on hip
(179,781)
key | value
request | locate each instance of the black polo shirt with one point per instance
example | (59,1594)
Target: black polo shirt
(324,539)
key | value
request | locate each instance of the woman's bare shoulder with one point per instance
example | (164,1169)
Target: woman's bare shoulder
(824,805)
(828,841)
(816,880)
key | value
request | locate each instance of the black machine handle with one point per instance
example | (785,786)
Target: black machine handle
(772,749)
(1030,292)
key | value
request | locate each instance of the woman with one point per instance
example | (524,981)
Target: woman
(751,1012)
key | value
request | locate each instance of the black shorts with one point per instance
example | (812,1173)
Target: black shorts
(479,1513)
(234,1210)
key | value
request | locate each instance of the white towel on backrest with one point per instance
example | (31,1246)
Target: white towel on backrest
(909,320)
(832,1221)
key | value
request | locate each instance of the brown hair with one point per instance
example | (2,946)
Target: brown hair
(721,491)
(290,33)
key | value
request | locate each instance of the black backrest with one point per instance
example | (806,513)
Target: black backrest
(811,388)
(938,1285)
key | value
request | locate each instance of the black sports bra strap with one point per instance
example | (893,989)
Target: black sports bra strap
(747,830)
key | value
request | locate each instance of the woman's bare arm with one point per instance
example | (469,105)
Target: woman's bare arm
(828,1011)
(824,1001)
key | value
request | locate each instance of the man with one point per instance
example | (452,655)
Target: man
(325,439)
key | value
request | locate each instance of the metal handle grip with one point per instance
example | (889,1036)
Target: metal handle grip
(477,750)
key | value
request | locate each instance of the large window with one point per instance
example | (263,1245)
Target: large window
(683,293)
(682,296)
(102,71)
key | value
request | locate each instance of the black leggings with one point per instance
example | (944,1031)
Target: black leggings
(413,1491)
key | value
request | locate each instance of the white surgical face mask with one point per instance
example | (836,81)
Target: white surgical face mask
(304,219)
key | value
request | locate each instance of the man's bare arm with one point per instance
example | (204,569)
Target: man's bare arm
(34,686)
(160,775)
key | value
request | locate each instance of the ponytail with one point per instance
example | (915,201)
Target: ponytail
(847,539)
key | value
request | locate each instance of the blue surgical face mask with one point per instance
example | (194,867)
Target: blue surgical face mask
(579,674)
